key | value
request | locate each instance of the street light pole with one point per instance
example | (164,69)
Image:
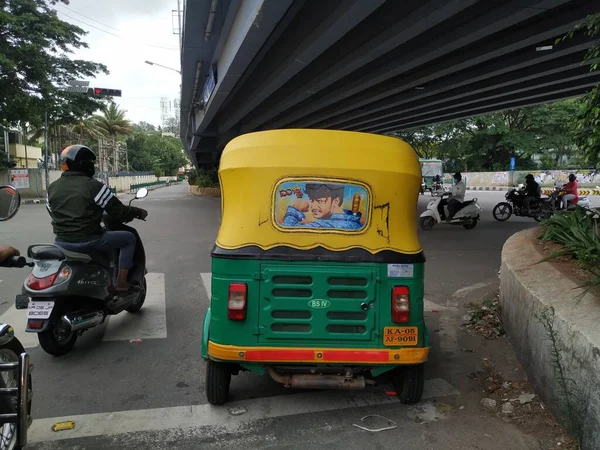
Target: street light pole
(160,65)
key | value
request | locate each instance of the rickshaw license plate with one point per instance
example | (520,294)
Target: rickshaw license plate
(396,336)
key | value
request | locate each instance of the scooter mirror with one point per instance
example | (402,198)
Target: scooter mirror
(10,202)
(141,193)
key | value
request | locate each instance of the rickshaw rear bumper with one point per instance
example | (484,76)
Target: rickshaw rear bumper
(265,355)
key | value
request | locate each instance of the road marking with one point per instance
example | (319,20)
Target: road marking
(464,291)
(206,280)
(17,318)
(149,323)
(195,416)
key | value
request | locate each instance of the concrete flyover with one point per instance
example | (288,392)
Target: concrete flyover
(527,292)
(370,65)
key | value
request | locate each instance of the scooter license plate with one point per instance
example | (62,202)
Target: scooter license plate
(39,310)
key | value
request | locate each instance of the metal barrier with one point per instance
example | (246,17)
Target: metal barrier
(155,184)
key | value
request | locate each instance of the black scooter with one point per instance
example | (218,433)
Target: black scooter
(68,293)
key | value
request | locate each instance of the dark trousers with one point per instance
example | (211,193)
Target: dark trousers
(122,240)
(453,207)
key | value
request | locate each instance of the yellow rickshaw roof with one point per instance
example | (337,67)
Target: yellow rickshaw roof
(305,189)
(316,149)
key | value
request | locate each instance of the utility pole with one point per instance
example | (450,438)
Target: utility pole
(25,143)
(46,151)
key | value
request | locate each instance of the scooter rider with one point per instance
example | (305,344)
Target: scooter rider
(76,202)
(532,192)
(572,192)
(457,196)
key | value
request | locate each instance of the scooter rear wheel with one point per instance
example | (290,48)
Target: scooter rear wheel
(470,224)
(135,307)
(426,223)
(55,340)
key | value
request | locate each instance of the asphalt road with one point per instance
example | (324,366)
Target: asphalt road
(150,394)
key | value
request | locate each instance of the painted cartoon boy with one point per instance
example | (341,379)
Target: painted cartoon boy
(325,204)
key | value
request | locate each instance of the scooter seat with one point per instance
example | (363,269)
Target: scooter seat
(50,253)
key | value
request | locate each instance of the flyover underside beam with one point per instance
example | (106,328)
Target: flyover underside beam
(557,87)
(467,42)
(254,22)
(479,62)
(315,29)
(479,79)
(483,108)
(352,53)
(511,82)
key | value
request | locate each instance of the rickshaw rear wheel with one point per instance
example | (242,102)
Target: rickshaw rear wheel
(409,382)
(218,380)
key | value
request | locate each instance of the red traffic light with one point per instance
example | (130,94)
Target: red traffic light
(104,92)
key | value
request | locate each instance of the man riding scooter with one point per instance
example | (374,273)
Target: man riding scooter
(76,203)
(457,197)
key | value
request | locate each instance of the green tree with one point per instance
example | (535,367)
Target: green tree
(588,120)
(153,152)
(34,63)
(113,121)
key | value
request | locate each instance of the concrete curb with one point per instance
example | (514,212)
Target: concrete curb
(526,290)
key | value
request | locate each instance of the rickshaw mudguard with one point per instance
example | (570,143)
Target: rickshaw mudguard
(205,334)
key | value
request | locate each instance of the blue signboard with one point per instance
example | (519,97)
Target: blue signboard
(209,85)
(512,163)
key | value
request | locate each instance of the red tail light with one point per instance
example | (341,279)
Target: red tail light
(400,304)
(237,302)
(39,284)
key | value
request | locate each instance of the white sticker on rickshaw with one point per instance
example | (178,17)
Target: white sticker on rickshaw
(400,270)
(39,310)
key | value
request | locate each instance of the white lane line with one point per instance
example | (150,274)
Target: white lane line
(193,416)
(17,318)
(149,323)
(461,293)
(206,280)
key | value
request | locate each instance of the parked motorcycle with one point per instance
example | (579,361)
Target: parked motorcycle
(539,209)
(68,293)
(467,215)
(15,367)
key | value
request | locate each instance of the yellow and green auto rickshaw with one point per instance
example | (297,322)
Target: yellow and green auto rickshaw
(317,270)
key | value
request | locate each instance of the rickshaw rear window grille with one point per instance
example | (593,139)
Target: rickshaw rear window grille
(291,327)
(291,314)
(345,315)
(302,293)
(347,294)
(347,281)
(348,329)
(290,279)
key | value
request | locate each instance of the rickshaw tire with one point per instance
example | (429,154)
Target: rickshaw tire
(218,380)
(409,382)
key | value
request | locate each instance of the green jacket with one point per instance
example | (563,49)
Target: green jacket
(76,203)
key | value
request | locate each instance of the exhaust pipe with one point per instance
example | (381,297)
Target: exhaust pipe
(318,381)
(85,321)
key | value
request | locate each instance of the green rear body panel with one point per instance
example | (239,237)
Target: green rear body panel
(310,304)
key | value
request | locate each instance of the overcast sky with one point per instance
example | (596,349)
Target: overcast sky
(134,31)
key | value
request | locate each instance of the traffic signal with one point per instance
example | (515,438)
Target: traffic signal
(104,92)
